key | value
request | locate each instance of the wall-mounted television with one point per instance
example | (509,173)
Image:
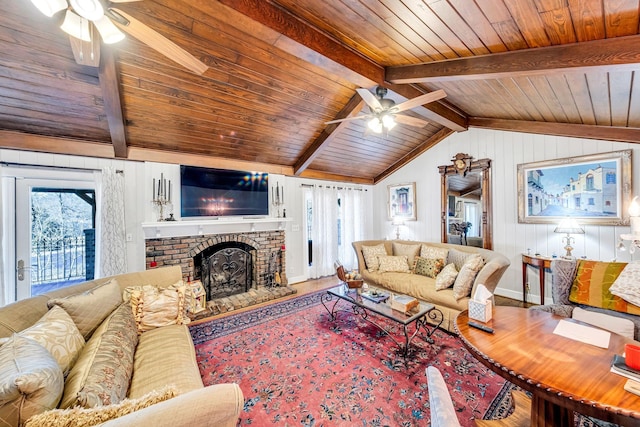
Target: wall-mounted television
(208,192)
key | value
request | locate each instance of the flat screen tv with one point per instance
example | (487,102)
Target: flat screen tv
(207,192)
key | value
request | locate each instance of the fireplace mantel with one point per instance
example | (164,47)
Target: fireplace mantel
(157,230)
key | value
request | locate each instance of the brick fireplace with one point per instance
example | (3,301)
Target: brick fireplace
(227,263)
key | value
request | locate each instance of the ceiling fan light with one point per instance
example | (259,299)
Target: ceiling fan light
(76,26)
(388,121)
(50,7)
(375,125)
(108,31)
(88,9)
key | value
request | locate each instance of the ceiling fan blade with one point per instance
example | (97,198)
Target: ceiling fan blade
(411,121)
(370,99)
(160,43)
(420,100)
(364,116)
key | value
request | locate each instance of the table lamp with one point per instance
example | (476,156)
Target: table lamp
(397,221)
(568,226)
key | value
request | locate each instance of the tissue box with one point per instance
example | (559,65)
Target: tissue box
(481,311)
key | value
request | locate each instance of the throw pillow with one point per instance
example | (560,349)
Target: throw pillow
(371,254)
(446,277)
(410,251)
(427,251)
(592,283)
(103,371)
(429,267)
(617,325)
(394,263)
(154,307)
(86,417)
(57,332)
(458,258)
(90,308)
(627,285)
(31,380)
(464,282)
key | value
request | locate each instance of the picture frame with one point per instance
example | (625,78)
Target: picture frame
(593,189)
(401,201)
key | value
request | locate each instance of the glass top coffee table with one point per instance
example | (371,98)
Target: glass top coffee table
(363,307)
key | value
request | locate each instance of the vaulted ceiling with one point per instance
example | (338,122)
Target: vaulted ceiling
(278,70)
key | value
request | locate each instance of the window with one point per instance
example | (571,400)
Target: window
(590,182)
(610,178)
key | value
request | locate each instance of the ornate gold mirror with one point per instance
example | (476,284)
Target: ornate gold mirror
(466,202)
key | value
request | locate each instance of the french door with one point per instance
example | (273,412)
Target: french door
(52,211)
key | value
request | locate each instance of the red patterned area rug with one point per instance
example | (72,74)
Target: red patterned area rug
(297,367)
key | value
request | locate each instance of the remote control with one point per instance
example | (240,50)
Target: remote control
(481,327)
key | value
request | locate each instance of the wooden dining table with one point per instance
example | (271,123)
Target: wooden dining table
(563,375)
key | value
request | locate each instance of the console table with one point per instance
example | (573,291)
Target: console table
(543,263)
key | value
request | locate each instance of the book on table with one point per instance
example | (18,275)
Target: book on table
(618,366)
(403,303)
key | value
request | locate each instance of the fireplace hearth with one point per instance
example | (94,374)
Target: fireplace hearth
(227,264)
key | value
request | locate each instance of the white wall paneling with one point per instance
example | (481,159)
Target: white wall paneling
(506,150)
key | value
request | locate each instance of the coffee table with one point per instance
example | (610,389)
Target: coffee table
(363,307)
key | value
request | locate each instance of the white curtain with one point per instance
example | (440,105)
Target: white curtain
(352,230)
(111,245)
(324,231)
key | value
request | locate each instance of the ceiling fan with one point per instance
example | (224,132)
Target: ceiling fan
(81,16)
(383,111)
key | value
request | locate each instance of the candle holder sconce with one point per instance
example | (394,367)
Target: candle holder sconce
(162,197)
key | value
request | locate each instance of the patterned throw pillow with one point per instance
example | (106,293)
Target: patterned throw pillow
(57,332)
(102,374)
(429,267)
(410,251)
(446,277)
(592,284)
(371,254)
(394,263)
(458,258)
(90,308)
(82,417)
(427,251)
(464,282)
(154,307)
(31,380)
(627,285)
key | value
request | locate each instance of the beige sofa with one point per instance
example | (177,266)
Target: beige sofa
(423,288)
(163,356)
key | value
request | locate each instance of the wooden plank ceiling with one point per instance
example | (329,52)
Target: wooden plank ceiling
(278,70)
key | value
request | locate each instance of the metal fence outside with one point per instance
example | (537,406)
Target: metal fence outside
(56,261)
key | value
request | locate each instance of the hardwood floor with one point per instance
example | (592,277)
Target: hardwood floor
(314,285)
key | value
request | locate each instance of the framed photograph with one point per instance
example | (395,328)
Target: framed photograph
(402,201)
(593,189)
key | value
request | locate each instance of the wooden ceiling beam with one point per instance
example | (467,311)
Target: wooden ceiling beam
(431,142)
(316,174)
(309,43)
(618,53)
(306,42)
(352,108)
(606,133)
(436,112)
(110,86)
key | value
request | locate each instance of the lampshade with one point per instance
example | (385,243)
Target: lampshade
(50,7)
(88,9)
(569,226)
(634,207)
(388,121)
(109,32)
(76,26)
(375,125)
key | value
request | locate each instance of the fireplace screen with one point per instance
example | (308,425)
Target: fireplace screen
(226,272)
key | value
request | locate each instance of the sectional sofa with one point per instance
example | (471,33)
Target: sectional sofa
(422,287)
(109,360)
